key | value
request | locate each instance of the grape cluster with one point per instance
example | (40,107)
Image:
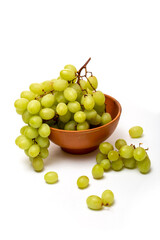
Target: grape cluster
(127,156)
(70,102)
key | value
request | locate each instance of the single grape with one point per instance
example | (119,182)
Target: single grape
(48,100)
(119,143)
(20,112)
(83,126)
(126,151)
(83,84)
(113,155)
(47,86)
(21,104)
(83,182)
(44,130)
(70,67)
(90,115)
(36,88)
(61,109)
(79,117)
(22,130)
(47,113)
(88,102)
(74,106)
(33,106)
(105,163)
(106,118)
(31,132)
(37,164)
(26,116)
(100,156)
(100,109)
(136,132)
(34,150)
(107,198)
(144,166)
(92,83)
(23,142)
(35,121)
(105,147)
(43,142)
(44,153)
(99,98)
(117,165)
(59,96)
(70,94)
(60,85)
(67,74)
(51,177)
(96,121)
(94,202)
(139,154)
(28,95)
(97,171)
(129,162)
(71,126)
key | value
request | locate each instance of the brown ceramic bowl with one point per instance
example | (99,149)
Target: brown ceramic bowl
(85,141)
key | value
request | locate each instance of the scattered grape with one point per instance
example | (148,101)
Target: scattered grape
(136,132)
(94,202)
(83,182)
(37,164)
(119,143)
(107,198)
(126,151)
(51,177)
(97,171)
(144,166)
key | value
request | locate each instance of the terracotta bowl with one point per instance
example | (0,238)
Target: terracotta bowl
(85,141)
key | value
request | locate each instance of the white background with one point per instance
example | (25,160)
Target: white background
(123,39)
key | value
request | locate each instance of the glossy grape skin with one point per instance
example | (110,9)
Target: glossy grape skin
(83,84)
(35,121)
(119,143)
(51,177)
(83,126)
(105,147)
(67,74)
(38,164)
(92,82)
(139,154)
(28,95)
(107,198)
(34,150)
(113,155)
(44,130)
(100,109)
(96,121)
(94,202)
(48,100)
(129,162)
(106,118)
(61,109)
(97,171)
(47,113)
(88,102)
(71,126)
(44,153)
(22,130)
(70,94)
(47,85)
(59,97)
(99,98)
(126,151)
(34,106)
(144,166)
(42,142)
(26,116)
(105,163)
(31,132)
(60,85)
(71,67)
(136,132)
(83,182)
(100,156)
(23,142)
(117,165)
(79,117)
(74,106)
(90,115)
(76,87)
(21,104)
(36,88)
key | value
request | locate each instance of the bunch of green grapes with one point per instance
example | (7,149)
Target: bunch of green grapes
(127,156)
(69,102)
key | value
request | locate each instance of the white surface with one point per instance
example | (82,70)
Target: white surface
(37,39)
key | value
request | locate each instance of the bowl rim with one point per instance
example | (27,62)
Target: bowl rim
(96,128)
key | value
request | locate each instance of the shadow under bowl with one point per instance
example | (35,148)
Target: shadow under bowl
(85,141)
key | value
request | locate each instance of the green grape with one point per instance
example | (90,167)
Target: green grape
(74,106)
(119,143)
(31,132)
(28,95)
(82,100)
(106,118)
(60,85)
(136,132)
(65,118)
(100,109)
(67,74)
(61,109)
(89,91)
(129,162)
(34,107)
(43,142)
(88,102)
(26,116)
(37,164)
(94,202)
(60,97)
(76,87)
(144,166)
(83,126)
(51,177)
(126,151)
(34,150)
(139,154)
(105,163)
(36,88)
(83,84)
(96,121)
(83,182)
(90,115)
(70,94)
(48,100)
(47,113)
(26,152)
(23,142)
(79,117)
(100,156)
(107,198)
(21,104)
(97,171)
(22,130)
(44,153)
(92,83)
(20,112)
(44,130)
(105,147)
(71,125)
(117,165)
(70,67)
(113,155)
(99,98)
(35,121)
(54,107)
(47,86)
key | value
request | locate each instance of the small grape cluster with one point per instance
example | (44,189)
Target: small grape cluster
(127,156)
(70,102)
